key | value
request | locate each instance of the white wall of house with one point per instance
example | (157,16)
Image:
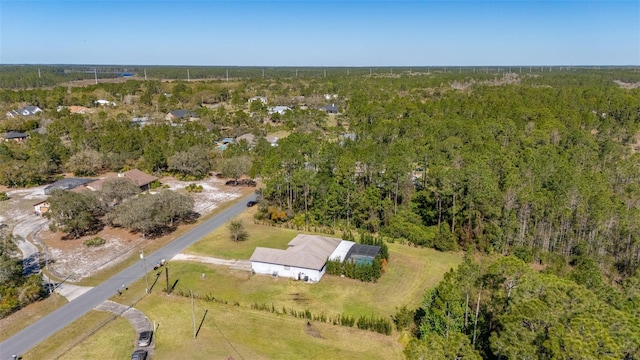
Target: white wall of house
(286,271)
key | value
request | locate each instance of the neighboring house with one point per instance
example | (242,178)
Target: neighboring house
(41,208)
(180,114)
(272,140)
(101,102)
(14,136)
(67,184)
(278,109)
(347,137)
(262,99)
(140,121)
(249,138)
(304,259)
(140,178)
(329,109)
(80,110)
(25,111)
(222,144)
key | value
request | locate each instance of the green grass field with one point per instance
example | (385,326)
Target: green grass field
(235,329)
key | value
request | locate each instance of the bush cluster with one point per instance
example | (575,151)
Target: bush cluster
(94,242)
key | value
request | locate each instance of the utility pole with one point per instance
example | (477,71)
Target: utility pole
(263,73)
(193,314)
(296,73)
(144,267)
(39,74)
(95,73)
(188,77)
(227,74)
(166,274)
(145,74)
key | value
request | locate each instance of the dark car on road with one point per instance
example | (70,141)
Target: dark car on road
(139,355)
(145,338)
(251,203)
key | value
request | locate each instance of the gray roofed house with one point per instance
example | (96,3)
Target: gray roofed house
(304,251)
(66,184)
(14,135)
(329,109)
(25,111)
(180,114)
(306,255)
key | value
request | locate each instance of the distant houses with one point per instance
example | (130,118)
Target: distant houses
(74,109)
(180,115)
(25,111)
(329,109)
(14,136)
(102,102)
(262,99)
(278,110)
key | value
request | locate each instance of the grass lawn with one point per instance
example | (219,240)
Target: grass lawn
(410,271)
(66,339)
(19,320)
(230,331)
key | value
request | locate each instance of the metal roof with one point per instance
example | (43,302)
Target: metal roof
(66,184)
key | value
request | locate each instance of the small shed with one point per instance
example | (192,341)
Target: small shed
(41,207)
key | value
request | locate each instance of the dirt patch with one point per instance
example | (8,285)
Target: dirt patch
(627,86)
(313,331)
(74,261)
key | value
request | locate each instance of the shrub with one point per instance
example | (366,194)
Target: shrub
(195,188)
(3,196)
(94,242)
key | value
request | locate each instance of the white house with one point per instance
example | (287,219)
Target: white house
(278,109)
(304,259)
(262,99)
(102,102)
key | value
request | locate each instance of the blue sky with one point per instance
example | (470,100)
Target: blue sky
(320,33)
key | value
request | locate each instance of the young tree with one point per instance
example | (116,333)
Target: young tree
(235,167)
(237,230)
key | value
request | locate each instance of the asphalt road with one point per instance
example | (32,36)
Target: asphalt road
(57,320)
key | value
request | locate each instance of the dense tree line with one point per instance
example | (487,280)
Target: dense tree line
(496,168)
(504,309)
(16,289)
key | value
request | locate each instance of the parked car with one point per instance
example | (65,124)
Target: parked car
(139,355)
(145,338)
(251,203)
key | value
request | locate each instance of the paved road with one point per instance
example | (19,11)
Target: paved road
(57,320)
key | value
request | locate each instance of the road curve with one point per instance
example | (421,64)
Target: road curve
(57,320)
